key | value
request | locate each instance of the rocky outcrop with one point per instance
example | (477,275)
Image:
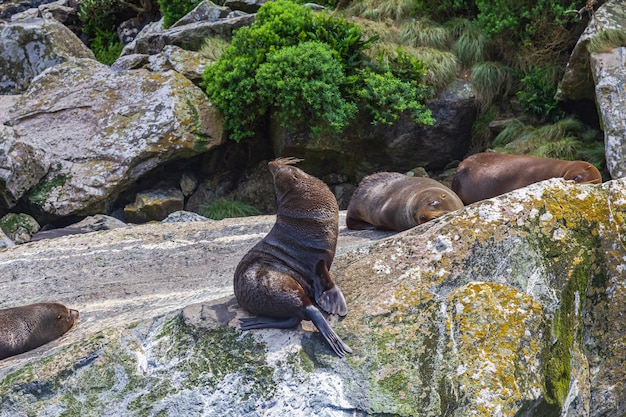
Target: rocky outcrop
(510,307)
(363,148)
(28,47)
(601,76)
(206,20)
(82,133)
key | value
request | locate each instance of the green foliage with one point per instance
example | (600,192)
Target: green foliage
(223,208)
(213,47)
(606,40)
(481,132)
(302,82)
(445,9)
(537,95)
(106,46)
(517,20)
(566,139)
(386,97)
(425,32)
(173,10)
(381,10)
(294,64)
(491,81)
(98,15)
(471,46)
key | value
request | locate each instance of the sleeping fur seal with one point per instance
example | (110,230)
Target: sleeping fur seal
(394,201)
(284,278)
(489,174)
(27,327)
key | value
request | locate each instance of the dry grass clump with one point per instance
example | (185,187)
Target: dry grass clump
(424,32)
(213,47)
(381,10)
(606,41)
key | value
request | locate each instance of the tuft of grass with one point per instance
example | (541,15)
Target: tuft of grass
(381,10)
(385,29)
(424,32)
(223,208)
(442,66)
(213,47)
(491,81)
(567,139)
(606,40)
(471,46)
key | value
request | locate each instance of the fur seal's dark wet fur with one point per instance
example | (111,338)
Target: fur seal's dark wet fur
(489,174)
(284,278)
(394,201)
(27,327)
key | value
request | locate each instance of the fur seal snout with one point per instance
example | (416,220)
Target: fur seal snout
(394,201)
(284,278)
(489,174)
(27,327)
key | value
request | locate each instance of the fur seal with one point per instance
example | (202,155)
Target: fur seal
(488,174)
(27,327)
(284,278)
(394,201)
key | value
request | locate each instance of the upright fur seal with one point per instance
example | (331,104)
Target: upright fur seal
(27,327)
(489,174)
(284,278)
(394,201)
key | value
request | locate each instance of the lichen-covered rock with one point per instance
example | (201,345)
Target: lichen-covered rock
(28,47)
(19,227)
(82,133)
(510,307)
(601,77)
(154,204)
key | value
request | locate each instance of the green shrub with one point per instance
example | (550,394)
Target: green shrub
(223,208)
(537,95)
(445,9)
(517,20)
(106,46)
(293,63)
(173,10)
(302,82)
(98,15)
(386,97)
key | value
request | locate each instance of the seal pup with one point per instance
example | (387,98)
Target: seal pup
(488,174)
(284,278)
(27,327)
(394,201)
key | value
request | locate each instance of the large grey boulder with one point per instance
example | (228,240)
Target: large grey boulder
(601,77)
(510,307)
(83,133)
(28,47)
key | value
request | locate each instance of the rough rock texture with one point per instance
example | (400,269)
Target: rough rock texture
(83,132)
(19,227)
(153,38)
(27,48)
(602,77)
(363,148)
(511,307)
(87,225)
(154,204)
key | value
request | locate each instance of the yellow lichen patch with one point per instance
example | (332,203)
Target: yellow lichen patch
(496,335)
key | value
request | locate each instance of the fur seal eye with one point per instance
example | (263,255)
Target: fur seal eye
(423,218)
(59,317)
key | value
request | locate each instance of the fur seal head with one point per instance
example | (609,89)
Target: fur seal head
(27,327)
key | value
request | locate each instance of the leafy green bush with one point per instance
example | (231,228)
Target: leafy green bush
(518,20)
(295,64)
(223,208)
(445,9)
(106,46)
(98,15)
(302,82)
(537,95)
(173,10)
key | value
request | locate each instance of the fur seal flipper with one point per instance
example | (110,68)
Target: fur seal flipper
(27,327)
(284,278)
